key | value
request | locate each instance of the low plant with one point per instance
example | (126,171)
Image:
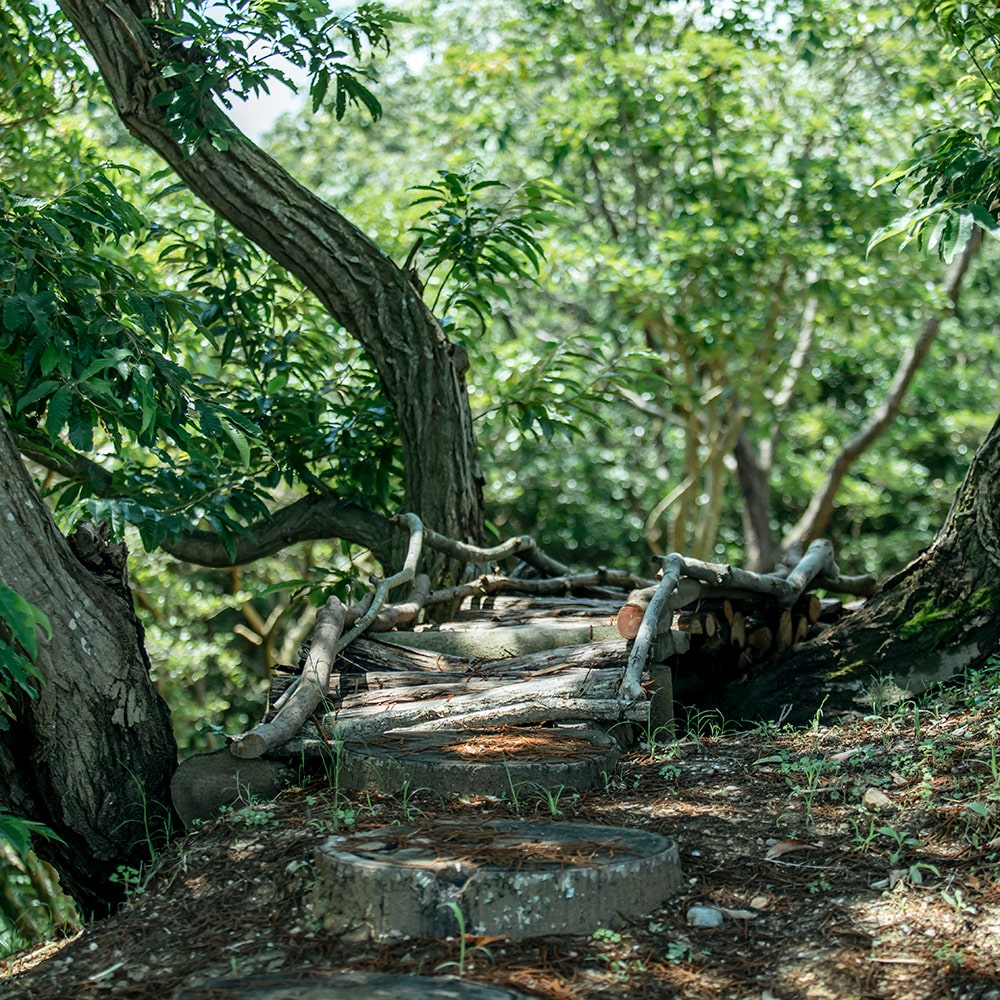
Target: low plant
(464,951)
(407,794)
(708,723)
(901,842)
(133,880)
(516,790)
(549,798)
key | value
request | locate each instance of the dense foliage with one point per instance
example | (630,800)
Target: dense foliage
(710,273)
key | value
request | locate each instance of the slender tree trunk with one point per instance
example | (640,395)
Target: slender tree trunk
(816,519)
(357,283)
(755,487)
(938,616)
(92,756)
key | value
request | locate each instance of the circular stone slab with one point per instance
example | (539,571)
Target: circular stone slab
(505,760)
(351,986)
(506,877)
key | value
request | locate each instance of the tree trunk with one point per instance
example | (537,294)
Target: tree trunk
(935,618)
(92,756)
(815,521)
(755,487)
(357,283)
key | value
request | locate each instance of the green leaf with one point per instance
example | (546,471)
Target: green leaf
(58,411)
(18,832)
(15,312)
(239,439)
(23,619)
(38,392)
(985,221)
(16,668)
(957,237)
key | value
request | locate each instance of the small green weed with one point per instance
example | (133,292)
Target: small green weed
(464,951)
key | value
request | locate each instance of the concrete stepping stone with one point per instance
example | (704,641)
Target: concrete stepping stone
(505,761)
(509,878)
(350,986)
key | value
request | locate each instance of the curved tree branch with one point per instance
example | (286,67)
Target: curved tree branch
(817,516)
(312,517)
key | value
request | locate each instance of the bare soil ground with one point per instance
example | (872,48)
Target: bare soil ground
(854,860)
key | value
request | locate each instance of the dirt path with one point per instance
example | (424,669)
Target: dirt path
(859,860)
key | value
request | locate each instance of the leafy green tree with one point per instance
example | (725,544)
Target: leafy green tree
(165,365)
(162,378)
(712,257)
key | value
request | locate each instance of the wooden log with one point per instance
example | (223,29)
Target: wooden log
(697,623)
(810,606)
(800,629)
(589,694)
(499,642)
(687,591)
(375,655)
(738,630)
(629,618)
(760,643)
(783,632)
(669,645)
(311,689)
(714,580)
(389,666)
(661,701)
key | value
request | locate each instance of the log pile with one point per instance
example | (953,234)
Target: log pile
(734,618)
(702,625)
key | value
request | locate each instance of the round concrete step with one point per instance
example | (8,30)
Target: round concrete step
(508,761)
(349,986)
(510,878)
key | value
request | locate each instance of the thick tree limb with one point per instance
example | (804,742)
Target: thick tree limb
(312,517)
(322,515)
(358,284)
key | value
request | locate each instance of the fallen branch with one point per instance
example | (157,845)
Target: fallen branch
(303,699)
(364,613)
(486,586)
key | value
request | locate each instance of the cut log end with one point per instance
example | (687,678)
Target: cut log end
(629,619)
(249,746)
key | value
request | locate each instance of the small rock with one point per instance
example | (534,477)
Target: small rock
(704,916)
(875,798)
(759,903)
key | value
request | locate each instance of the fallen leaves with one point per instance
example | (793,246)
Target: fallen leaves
(783,847)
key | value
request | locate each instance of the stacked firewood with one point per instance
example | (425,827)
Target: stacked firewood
(722,622)
(741,632)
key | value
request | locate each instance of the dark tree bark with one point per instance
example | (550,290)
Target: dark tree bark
(363,290)
(92,756)
(938,616)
